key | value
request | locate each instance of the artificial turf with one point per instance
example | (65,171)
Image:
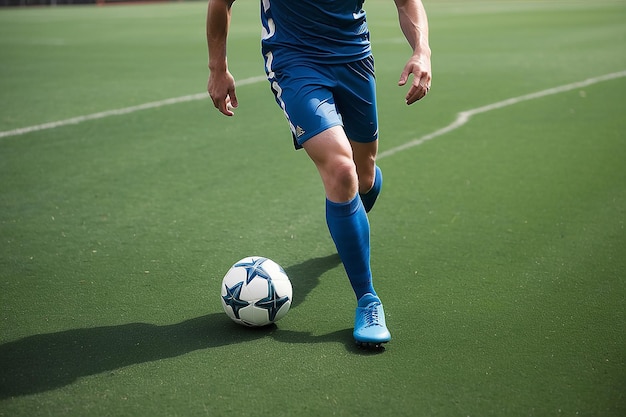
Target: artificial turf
(498,247)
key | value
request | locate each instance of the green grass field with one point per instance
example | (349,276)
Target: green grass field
(498,246)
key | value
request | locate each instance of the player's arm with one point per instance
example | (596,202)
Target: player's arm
(221,84)
(414,25)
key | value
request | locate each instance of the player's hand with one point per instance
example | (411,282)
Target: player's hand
(419,67)
(221,88)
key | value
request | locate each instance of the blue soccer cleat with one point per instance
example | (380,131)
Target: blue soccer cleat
(370,329)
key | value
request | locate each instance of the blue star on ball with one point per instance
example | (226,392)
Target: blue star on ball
(272,303)
(232,298)
(254,268)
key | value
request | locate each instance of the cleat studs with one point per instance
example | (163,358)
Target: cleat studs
(379,346)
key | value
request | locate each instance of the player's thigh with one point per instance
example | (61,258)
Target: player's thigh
(331,152)
(329,148)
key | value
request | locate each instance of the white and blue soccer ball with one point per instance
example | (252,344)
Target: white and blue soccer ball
(256,291)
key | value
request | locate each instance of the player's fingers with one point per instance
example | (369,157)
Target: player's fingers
(418,91)
(413,95)
(223,105)
(233,99)
(217,103)
(222,93)
(226,107)
(403,77)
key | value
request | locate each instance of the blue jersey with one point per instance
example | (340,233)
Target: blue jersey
(314,31)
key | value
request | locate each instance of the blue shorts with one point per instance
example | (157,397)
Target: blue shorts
(316,98)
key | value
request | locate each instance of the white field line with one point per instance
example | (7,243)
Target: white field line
(464,117)
(122,111)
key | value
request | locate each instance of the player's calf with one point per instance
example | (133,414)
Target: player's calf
(369,198)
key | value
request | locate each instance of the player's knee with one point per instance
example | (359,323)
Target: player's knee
(343,174)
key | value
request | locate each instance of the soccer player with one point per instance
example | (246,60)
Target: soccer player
(319,63)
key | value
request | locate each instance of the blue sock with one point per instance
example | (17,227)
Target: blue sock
(369,198)
(350,230)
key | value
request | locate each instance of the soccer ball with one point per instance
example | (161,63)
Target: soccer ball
(256,291)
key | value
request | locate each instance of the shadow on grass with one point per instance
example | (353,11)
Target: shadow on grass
(44,362)
(306,275)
